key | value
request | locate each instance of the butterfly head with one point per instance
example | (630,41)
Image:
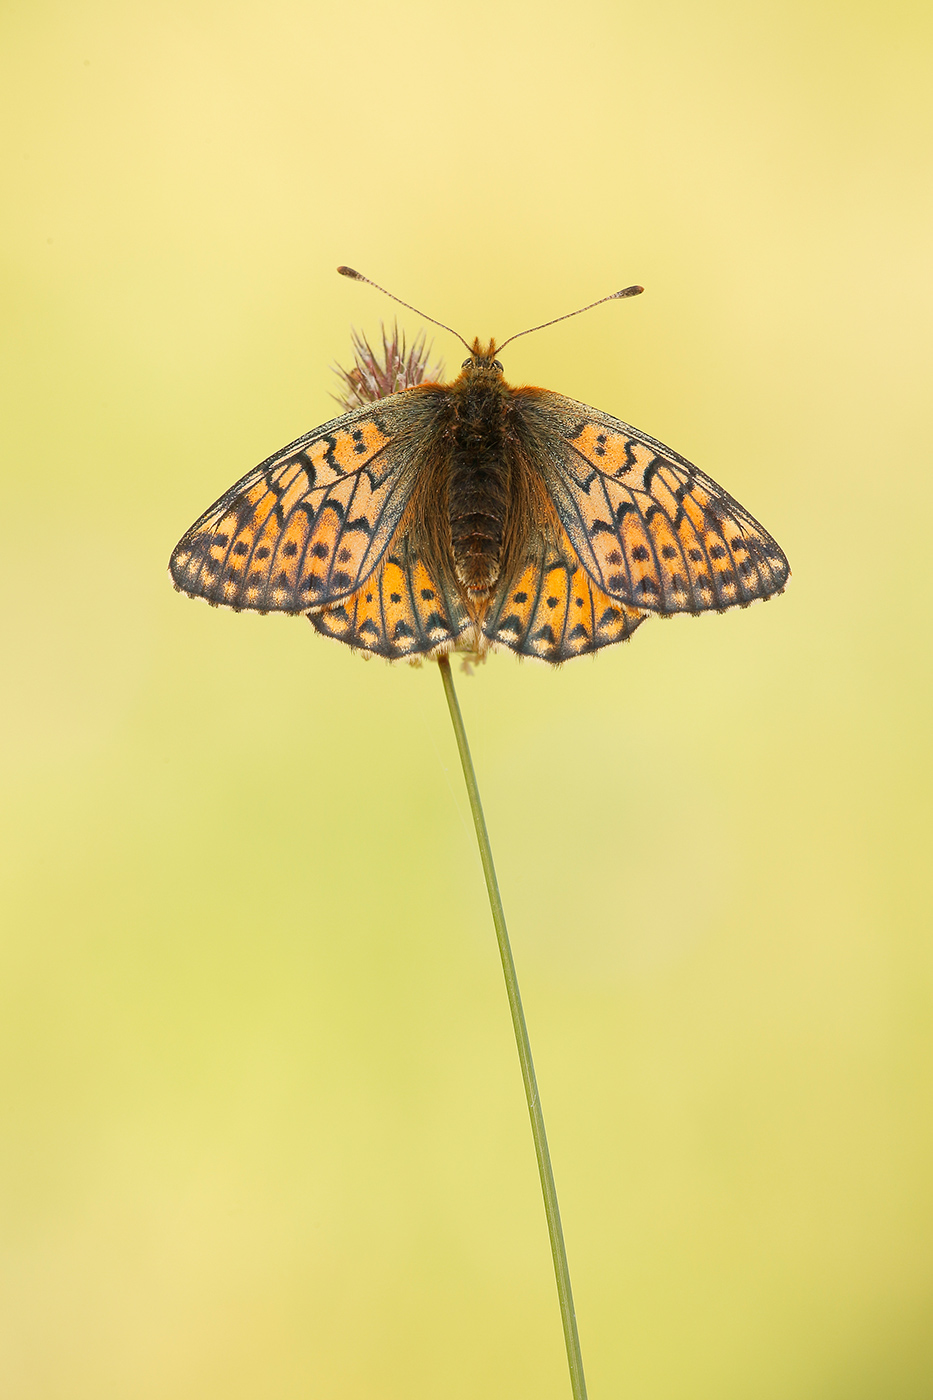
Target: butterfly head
(482,361)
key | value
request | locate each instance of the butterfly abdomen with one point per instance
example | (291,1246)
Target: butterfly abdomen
(480,482)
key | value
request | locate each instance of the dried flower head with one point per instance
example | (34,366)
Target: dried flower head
(375,377)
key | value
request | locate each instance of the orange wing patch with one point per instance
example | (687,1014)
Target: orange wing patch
(551,609)
(647,525)
(400,611)
(306,526)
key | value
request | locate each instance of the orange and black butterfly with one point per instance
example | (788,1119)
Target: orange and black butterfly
(472,514)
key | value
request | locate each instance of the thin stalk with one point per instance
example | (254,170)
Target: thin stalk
(549,1190)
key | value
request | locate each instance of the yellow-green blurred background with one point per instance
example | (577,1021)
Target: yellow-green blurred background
(264,1130)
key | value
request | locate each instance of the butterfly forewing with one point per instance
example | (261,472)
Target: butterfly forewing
(311,523)
(552,609)
(647,525)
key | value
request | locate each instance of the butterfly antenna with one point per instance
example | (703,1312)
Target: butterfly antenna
(613,296)
(358,277)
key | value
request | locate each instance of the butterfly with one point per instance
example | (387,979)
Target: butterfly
(474,514)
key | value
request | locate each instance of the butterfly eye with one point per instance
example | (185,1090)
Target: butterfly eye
(497,364)
(466,364)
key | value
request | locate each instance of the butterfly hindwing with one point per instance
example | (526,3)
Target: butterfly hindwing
(550,607)
(310,524)
(647,525)
(402,610)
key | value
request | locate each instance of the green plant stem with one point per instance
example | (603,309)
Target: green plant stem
(549,1190)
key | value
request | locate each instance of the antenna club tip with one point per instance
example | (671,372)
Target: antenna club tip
(350,272)
(629,292)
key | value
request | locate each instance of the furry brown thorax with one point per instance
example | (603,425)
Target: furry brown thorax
(482,465)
